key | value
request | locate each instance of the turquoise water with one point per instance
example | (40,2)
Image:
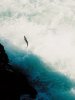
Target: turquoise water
(48,26)
(50,85)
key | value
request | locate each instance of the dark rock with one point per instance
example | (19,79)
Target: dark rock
(13,83)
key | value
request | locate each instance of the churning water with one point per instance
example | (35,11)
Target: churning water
(49,58)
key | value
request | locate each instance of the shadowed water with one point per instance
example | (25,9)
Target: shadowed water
(50,85)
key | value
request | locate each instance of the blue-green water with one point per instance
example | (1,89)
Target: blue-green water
(50,85)
(49,27)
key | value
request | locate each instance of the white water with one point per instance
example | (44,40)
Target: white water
(49,26)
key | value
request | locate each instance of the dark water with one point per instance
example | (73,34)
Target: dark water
(49,84)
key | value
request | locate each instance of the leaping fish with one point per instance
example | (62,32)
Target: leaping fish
(26,40)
